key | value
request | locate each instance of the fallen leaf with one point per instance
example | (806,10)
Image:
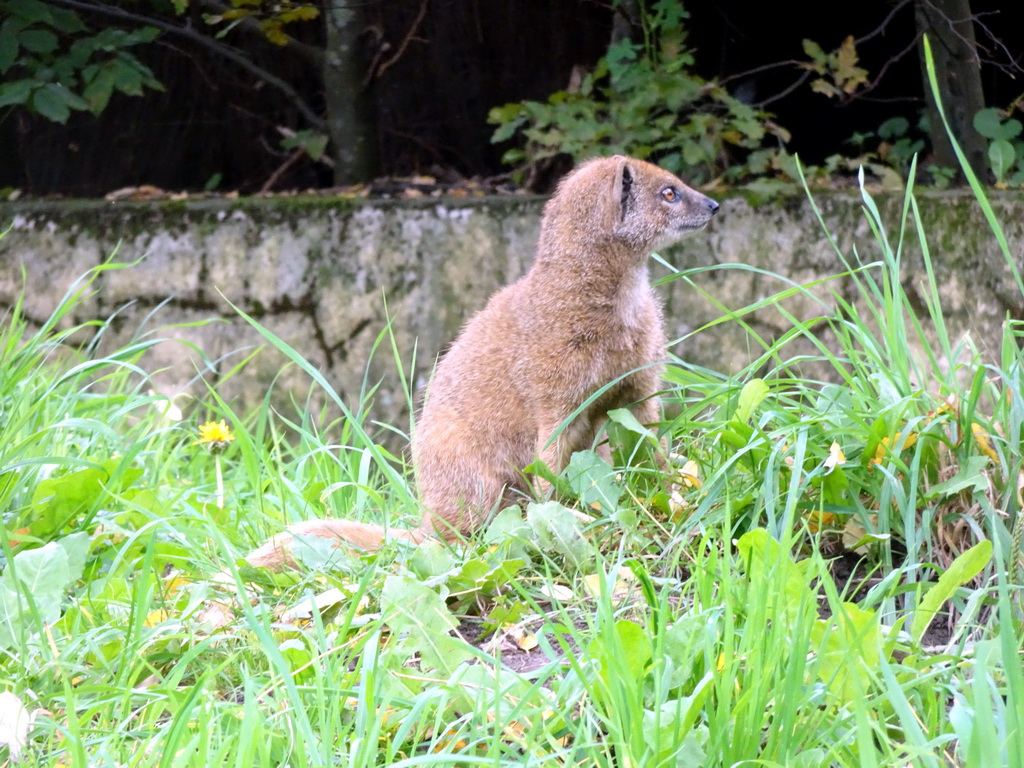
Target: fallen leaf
(215,615)
(883,447)
(678,507)
(142,192)
(981,437)
(525,640)
(816,519)
(557,592)
(836,457)
(620,590)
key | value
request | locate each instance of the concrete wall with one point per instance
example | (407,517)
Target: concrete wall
(325,274)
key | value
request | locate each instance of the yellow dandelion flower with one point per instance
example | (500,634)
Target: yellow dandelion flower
(215,435)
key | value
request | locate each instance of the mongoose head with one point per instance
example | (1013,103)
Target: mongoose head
(628,201)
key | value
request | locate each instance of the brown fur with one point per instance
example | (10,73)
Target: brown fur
(583,316)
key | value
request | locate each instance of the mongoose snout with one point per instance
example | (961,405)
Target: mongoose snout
(511,389)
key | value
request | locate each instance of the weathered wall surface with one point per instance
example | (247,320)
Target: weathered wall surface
(325,275)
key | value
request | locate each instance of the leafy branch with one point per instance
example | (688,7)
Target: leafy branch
(221,49)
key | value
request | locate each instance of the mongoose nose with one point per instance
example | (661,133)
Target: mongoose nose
(712,206)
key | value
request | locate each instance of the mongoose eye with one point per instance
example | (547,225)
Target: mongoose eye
(669,194)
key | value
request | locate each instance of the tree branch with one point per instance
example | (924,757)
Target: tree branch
(975,19)
(225,51)
(880,29)
(404,43)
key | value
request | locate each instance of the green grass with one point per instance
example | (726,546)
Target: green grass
(694,623)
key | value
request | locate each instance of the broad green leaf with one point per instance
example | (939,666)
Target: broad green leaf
(55,102)
(76,547)
(625,417)
(968,565)
(496,576)
(469,576)
(17,92)
(8,52)
(593,481)
(970,477)
(680,716)
(627,653)
(32,11)
(58,500)
(814,50)
(64,20)
(511,532)
(751,396)
(485,687)
(683,640)
(662,731)
(505,611)
(557,528)
(420,619)
(849,650)
(1001,156)
(989,122)
(38,40)
(142,35)
(127,77)
(44,573)
(430,560)
(316,146)
(772,571)
(99,90)
(894,128)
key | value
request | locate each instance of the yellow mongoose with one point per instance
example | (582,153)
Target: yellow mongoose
(583,316)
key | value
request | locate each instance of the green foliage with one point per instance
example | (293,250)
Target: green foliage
(273,19)
(312,143)
(52,64)
(720,635)
(968,565)
(33,585)
(1006,146)
(645,100)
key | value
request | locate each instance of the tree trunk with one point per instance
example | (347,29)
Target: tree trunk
(347,95)
(950,28)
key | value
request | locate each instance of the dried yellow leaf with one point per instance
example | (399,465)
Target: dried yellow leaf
(527,641)
(678,507)
(689,474)
(981,437)
(883,446)
(620,590)
(835,458)
(817,519)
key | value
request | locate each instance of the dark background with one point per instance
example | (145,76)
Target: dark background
(469,56)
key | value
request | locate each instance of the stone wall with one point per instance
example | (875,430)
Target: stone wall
(327,275)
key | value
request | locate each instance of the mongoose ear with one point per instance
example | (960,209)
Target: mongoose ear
(619,194)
